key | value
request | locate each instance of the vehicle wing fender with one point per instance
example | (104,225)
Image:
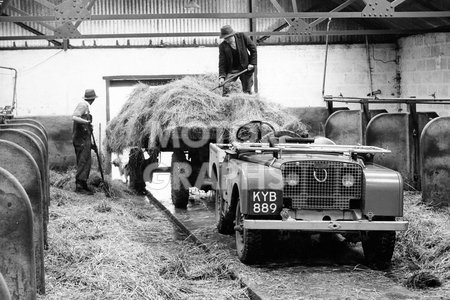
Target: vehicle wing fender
(256,178)
(383,193)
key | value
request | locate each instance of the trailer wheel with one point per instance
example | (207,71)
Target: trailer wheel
(136,165)
(179,169)
(153,159)
(194,175)
(248,242)
(378,248)
(198,159)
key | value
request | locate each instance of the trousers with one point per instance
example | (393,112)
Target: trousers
(83,154)
(246,82)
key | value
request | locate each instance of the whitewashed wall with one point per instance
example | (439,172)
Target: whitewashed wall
(293,75)
(51,82)
(425,69)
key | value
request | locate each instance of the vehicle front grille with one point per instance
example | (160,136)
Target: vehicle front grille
(318,184)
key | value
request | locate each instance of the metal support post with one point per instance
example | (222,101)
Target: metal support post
(415,151)
(329,103)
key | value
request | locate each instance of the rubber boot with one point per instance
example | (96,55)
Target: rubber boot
(82,188)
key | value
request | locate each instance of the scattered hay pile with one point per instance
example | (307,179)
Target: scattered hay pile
(66,181)
(425,247)
(189,102)
(126,249)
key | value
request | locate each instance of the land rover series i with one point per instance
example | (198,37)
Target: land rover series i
(288,183)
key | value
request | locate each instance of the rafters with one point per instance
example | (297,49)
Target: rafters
(4,5)
(256,15)
(212,34)
(33,30)
(381,16)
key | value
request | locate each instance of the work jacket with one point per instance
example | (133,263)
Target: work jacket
(81,133)
(247,54)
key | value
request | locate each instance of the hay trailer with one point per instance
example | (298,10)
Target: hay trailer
(190,158)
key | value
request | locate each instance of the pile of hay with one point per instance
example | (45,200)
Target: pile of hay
(189,102)
(127,249)
(66,181)
(425,247)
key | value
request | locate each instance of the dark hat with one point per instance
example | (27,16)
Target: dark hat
(89,95)
(226,31)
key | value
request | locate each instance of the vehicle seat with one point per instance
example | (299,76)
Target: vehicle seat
(321,140)
(273,141)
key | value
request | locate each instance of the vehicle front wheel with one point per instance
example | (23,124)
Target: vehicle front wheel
(224,220)
(378,248)
(248,242)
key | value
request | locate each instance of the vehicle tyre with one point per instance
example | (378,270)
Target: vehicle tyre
(206,187)
(179,169)
(153,159)
(248,242)
(135,170)
(378,248)
(194,174)
(224,220)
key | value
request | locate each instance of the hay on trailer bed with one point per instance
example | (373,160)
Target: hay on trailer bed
(150,112)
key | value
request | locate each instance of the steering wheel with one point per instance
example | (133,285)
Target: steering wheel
(245,132)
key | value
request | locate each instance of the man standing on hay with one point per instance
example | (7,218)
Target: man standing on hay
(81,138)
(236,53)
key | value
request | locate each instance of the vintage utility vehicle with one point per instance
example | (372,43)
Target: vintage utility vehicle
(284,182)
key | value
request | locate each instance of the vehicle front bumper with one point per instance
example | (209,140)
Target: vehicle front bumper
(332,226)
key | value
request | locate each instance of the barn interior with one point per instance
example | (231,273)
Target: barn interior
(358,72)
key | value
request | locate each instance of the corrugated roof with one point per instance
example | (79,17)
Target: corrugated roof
(140,22)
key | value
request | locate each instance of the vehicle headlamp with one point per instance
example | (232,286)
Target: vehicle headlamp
(348,180)
(292,179)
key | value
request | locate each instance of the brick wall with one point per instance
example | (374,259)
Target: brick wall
(424,62)
(293,75)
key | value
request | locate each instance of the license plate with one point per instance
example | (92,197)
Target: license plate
(265,202)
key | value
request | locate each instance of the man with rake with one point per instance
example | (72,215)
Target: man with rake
(81,138)
(237,58)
